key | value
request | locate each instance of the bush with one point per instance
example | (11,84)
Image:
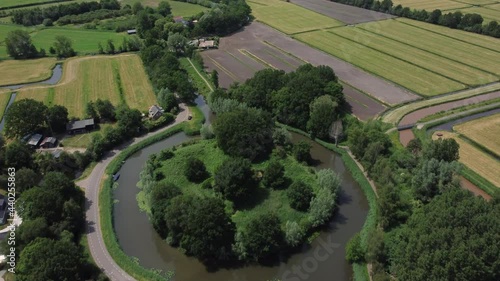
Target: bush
(330,180)
(234,179)
(294,234)
(207,132)
(300,195)
(301,151)
(195,170)
(274,175)
(282,137)
(354,251)
(166,154)
(321,207)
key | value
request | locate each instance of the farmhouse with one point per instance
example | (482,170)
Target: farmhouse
(155,112)
(208,44)
(35,140)
(49,142)
(80,126)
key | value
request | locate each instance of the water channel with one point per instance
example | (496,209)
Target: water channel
(54,79)
(322,260)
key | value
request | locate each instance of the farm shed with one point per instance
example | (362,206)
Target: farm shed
(131,31)
(49,142)
(80,126)
(35,140)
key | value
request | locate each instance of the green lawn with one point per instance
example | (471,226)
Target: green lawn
(83,140)
(178,8)
(274,201)
(9,3)
(6,28)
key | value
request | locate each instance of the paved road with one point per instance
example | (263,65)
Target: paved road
(92,186)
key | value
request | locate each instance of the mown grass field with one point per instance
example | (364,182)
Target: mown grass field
(47,5)
(468,54)
(464,36)
(489,13)
(275,201)
(431,5)
(117,79)
(25,71)
(485,131)
(6,28)
(83,140)
(475,159)
(4,100)
(412,77)
(453,70)
(289,18)
(9,3)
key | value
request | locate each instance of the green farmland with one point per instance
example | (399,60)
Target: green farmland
(178,8)
(431,5)
(289,18)
(84,41)
(465,53)
(417,79)
(10,3)
(489,13)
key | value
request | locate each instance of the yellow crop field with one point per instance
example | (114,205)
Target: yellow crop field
(488,14)
(475,159)
(289,18)
(485,131)
(438,44)
(114,78)
(31,70)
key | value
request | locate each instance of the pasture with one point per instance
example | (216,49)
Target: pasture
(415,78)
(475,159)
(489,13)
(453,70)
(431,5)
(4,100)
(31,70)
(178,8)
(468,54)
(117,79)
(41,6)
(289,18)
(484,131)
(10,3)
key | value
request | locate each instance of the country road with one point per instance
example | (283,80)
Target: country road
(92,187)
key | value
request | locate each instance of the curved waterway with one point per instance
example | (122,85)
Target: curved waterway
(324,259)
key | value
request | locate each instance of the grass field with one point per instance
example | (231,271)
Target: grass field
(289,18)
(25,71)
(465,53)
(84,41)
(475,159)
(485,131)
(9,3)
(178,8)
(416,79)
(431,5)
(41,6)
(4,100)
(117,78)
(6,28)
(439,65)
(83,140)
(488,14)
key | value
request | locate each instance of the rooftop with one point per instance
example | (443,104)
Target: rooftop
(80,124)
(35,139)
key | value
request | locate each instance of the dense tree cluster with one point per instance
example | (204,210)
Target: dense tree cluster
(20,46)
(469,22)
(234,179)
(35,16)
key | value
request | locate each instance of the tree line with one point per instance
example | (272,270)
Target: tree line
(469,22)
(419,190)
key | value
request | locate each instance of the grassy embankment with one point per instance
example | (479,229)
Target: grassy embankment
(4,100)
(32,71)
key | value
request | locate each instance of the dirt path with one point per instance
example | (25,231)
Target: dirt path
(199,74)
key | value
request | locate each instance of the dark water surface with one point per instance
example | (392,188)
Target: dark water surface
(322,260)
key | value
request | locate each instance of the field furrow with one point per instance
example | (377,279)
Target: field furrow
(432,62)
(405,74)
(468,54)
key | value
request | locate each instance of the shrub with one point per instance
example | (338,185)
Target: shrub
(274,175)
(294,234)
(354,251)
(300,195)
(234,179)
(330,180)
(322,206)
(207,132)
(301,151)
(195,170)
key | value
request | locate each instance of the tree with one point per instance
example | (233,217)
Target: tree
(25,179)
(234,179)
(321,207)
(160,196)
(110,47)
(63,47)
(57,118)
(195,170)
(244,133)
(434,16)
(454,237)
(336,91)
(137,7)
(282,137)
(25,117)
(130,120)
(91,112)
(300,195)
(322,114)
(164,8)
(177,43)
(38,259)
(31,229)
(443,149)
(294,234)
(18,155)
(167,99)
(262,239)
(38,202)
(274,175)
(433,177)
(393,209)
(105,109)
(329,180)
(19,45)
(215,78)
(354,251)
(301,151)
